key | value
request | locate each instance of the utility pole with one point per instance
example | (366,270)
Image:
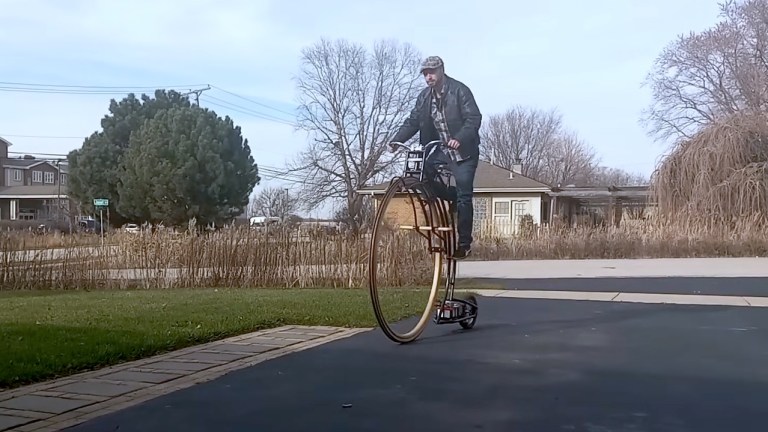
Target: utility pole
(197,94)
(58,193)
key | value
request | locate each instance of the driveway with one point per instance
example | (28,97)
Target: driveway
(528,365)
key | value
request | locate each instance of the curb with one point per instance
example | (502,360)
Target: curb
(61,403)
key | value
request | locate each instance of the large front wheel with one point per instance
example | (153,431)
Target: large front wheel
(405,260)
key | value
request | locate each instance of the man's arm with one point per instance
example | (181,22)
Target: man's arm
(471,114)
(411,124)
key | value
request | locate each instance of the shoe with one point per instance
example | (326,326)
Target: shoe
(461,252)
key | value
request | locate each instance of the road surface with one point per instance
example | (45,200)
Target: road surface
(529,365)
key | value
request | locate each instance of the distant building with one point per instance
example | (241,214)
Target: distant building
(32,188)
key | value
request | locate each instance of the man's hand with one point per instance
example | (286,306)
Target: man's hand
(454,144)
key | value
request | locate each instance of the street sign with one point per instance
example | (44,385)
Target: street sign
(100,204)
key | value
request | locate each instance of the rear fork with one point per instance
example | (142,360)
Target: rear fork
(451,309)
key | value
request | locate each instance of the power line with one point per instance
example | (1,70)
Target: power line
(72,89)
(41,154)
(252,101)
(99,89)
(230,106)
(246,111)
(64,91)
(41,136)
(96,86)
(81,89)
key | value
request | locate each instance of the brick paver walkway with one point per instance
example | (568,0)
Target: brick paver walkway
(54,405)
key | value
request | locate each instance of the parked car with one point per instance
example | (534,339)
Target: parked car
(131,228)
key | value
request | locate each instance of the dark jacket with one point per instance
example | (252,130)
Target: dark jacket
(461,112)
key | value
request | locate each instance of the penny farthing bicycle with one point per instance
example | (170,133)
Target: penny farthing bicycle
(410,207)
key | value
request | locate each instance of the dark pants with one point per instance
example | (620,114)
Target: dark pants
(461,194)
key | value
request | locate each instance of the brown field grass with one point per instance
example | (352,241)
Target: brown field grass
(28,240)
(239,257)
(710,194)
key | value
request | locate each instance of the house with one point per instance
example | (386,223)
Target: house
(577,205)
(31,188)
(501,198)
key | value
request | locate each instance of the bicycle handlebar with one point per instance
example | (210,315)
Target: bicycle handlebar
(394,145)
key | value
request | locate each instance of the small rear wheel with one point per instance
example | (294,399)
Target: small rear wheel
(472,310)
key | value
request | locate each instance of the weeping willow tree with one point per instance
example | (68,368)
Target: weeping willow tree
(718,177)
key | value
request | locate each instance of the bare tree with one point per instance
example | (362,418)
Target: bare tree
(274,202)
(522,134)
(538,139)
(351,102)
(363,218)
(606,176)
(703,77)
(569,160)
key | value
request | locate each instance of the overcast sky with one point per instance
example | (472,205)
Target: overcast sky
(586,58)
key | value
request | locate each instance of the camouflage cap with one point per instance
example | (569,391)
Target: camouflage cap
(431,62)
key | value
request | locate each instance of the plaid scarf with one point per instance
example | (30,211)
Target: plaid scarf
(438,116)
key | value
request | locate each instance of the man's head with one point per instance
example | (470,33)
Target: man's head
(433,70)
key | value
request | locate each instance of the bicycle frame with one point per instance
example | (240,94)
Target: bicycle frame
(416,157)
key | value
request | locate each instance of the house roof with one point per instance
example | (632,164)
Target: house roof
(5,141)
(26,163)
(488,178)
(46,191)
(21,163)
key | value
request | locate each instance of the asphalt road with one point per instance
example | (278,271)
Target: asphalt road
(528,365)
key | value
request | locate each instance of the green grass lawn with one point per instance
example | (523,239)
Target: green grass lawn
(51,334)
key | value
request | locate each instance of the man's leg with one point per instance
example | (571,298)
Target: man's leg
(464,176)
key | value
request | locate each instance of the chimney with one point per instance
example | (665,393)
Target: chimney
(517,167)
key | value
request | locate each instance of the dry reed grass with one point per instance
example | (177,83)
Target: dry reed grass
(238,257)
(653,238)
(718,177)
(29,241)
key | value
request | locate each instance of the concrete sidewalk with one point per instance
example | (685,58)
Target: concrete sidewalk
(58,404)
(594,268)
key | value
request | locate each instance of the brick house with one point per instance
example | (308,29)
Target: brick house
(501,198)
(31,188)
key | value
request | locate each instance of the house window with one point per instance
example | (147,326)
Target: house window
(507,214)
(501,208)
(501,221)
(63,179)
(17,175)
(49,176)
(37,176)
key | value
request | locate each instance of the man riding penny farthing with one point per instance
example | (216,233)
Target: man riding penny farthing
(448,121)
